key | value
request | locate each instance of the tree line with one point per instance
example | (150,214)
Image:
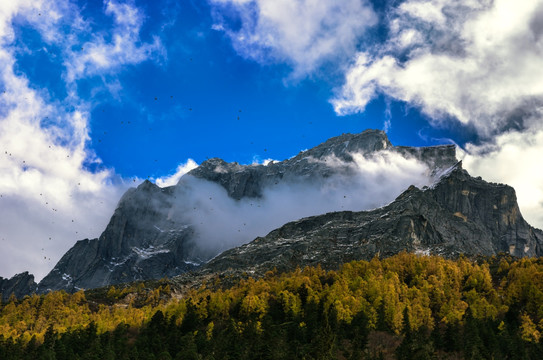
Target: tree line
(405,307)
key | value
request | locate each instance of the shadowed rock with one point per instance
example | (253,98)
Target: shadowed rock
(20,285)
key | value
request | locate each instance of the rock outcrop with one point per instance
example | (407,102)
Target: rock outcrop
(20,285)
(250,180)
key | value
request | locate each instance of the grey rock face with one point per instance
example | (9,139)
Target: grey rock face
(459,214)
(139,243)
(20,285)
(148,238)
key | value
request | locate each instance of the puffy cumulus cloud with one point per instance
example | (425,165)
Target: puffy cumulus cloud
(477,61)
(299,32)
(514,160)
(366,183)
(102,56)
(49,196)
(181,170)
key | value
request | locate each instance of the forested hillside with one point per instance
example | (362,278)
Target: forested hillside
(406,307)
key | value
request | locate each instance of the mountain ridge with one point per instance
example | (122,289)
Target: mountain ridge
(141,242)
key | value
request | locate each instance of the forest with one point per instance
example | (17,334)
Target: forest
(403,307)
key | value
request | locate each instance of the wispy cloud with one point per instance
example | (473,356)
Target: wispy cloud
(476,62)
(221,222)
(107,52)
(302,33)
(49,197)
(181,170)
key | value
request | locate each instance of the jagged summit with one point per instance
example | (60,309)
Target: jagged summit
(249,180)
(340,146)
(345,144)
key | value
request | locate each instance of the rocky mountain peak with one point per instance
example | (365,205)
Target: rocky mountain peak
(368,141)
(241,181)
(19,285)
(147,185)
(150,236)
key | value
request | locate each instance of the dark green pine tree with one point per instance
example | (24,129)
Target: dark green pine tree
(46,350)
(416,345)
(473,345)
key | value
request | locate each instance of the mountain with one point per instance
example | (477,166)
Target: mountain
(20,285)
(459,214)
(151,236)
(154,233)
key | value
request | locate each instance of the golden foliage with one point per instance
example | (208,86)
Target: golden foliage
(433,290)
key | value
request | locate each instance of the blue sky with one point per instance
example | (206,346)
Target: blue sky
(194,96)
(96,96)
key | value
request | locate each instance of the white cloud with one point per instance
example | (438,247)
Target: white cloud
(49,197)
(181,170)
(257,160)
(46,191)
(515,160)
(33,10)
(478,61)
(302,33)
(100,56)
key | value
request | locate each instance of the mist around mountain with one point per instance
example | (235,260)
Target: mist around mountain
(352,197)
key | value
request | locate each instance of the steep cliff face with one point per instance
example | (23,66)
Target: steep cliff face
(458,215)
(20,285)
(494,207)
(139,243)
